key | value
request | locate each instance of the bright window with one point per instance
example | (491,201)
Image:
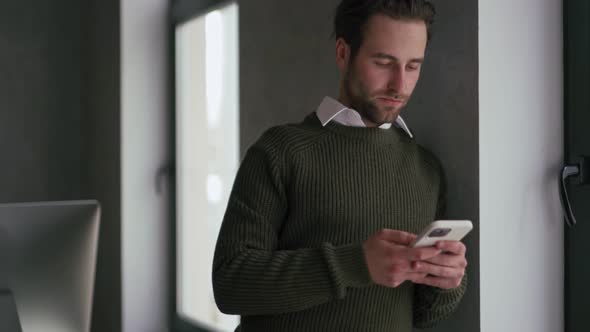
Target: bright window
(207,154)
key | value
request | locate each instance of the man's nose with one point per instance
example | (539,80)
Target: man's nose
(396,79)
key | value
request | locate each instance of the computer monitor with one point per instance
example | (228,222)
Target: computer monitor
(47,265)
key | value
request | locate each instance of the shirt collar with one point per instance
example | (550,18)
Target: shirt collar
(332,110)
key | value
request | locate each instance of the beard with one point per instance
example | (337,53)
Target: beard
(362,101)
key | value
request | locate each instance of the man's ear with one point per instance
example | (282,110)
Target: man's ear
(342,55)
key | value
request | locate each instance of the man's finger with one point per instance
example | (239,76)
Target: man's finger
(450,260)
(397,237)
(421,254)
(438,271)
(455,247)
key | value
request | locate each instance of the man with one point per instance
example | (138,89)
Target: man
(317,230)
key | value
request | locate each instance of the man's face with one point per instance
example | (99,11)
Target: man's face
(379,81)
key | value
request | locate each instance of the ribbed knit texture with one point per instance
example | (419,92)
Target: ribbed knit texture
(289,255)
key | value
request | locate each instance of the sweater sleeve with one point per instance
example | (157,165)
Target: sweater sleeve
(251,275)
(432,304)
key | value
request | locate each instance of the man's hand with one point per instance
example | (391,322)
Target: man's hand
(390,259)
(445,270)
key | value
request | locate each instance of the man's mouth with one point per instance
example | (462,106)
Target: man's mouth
(392,101)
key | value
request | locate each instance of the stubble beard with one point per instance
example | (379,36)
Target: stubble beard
(361,101)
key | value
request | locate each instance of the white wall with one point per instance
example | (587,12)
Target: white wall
(521,149)
(144,122)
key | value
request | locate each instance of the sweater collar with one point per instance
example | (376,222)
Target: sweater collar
(374,135)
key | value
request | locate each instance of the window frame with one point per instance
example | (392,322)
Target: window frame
(181,11)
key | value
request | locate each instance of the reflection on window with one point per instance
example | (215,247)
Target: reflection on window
(207,154)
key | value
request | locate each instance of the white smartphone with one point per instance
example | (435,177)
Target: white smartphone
(442,230)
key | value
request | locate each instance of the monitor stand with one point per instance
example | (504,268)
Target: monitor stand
(8,315)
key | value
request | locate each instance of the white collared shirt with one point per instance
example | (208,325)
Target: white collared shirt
(332,110)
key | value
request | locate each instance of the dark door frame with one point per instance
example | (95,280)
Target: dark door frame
(576,35)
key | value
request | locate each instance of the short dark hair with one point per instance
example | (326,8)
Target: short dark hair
(352,16)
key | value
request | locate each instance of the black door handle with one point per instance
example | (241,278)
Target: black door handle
(582,172)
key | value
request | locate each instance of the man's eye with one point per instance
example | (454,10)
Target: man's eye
(382,64)
(413,67)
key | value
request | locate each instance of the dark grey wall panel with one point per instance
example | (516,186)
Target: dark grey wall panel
(287,64)
(444,115)
(41,136)
(59,119)
(103,156)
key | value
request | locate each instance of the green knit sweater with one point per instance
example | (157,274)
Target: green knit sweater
(289,255)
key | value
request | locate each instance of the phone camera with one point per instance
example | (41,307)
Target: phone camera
(439,232)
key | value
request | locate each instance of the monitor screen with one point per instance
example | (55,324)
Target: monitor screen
(47,263)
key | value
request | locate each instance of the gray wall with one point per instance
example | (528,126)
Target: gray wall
(288,64)
(444,114)
(59,119)
(102,96)
(41,137)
